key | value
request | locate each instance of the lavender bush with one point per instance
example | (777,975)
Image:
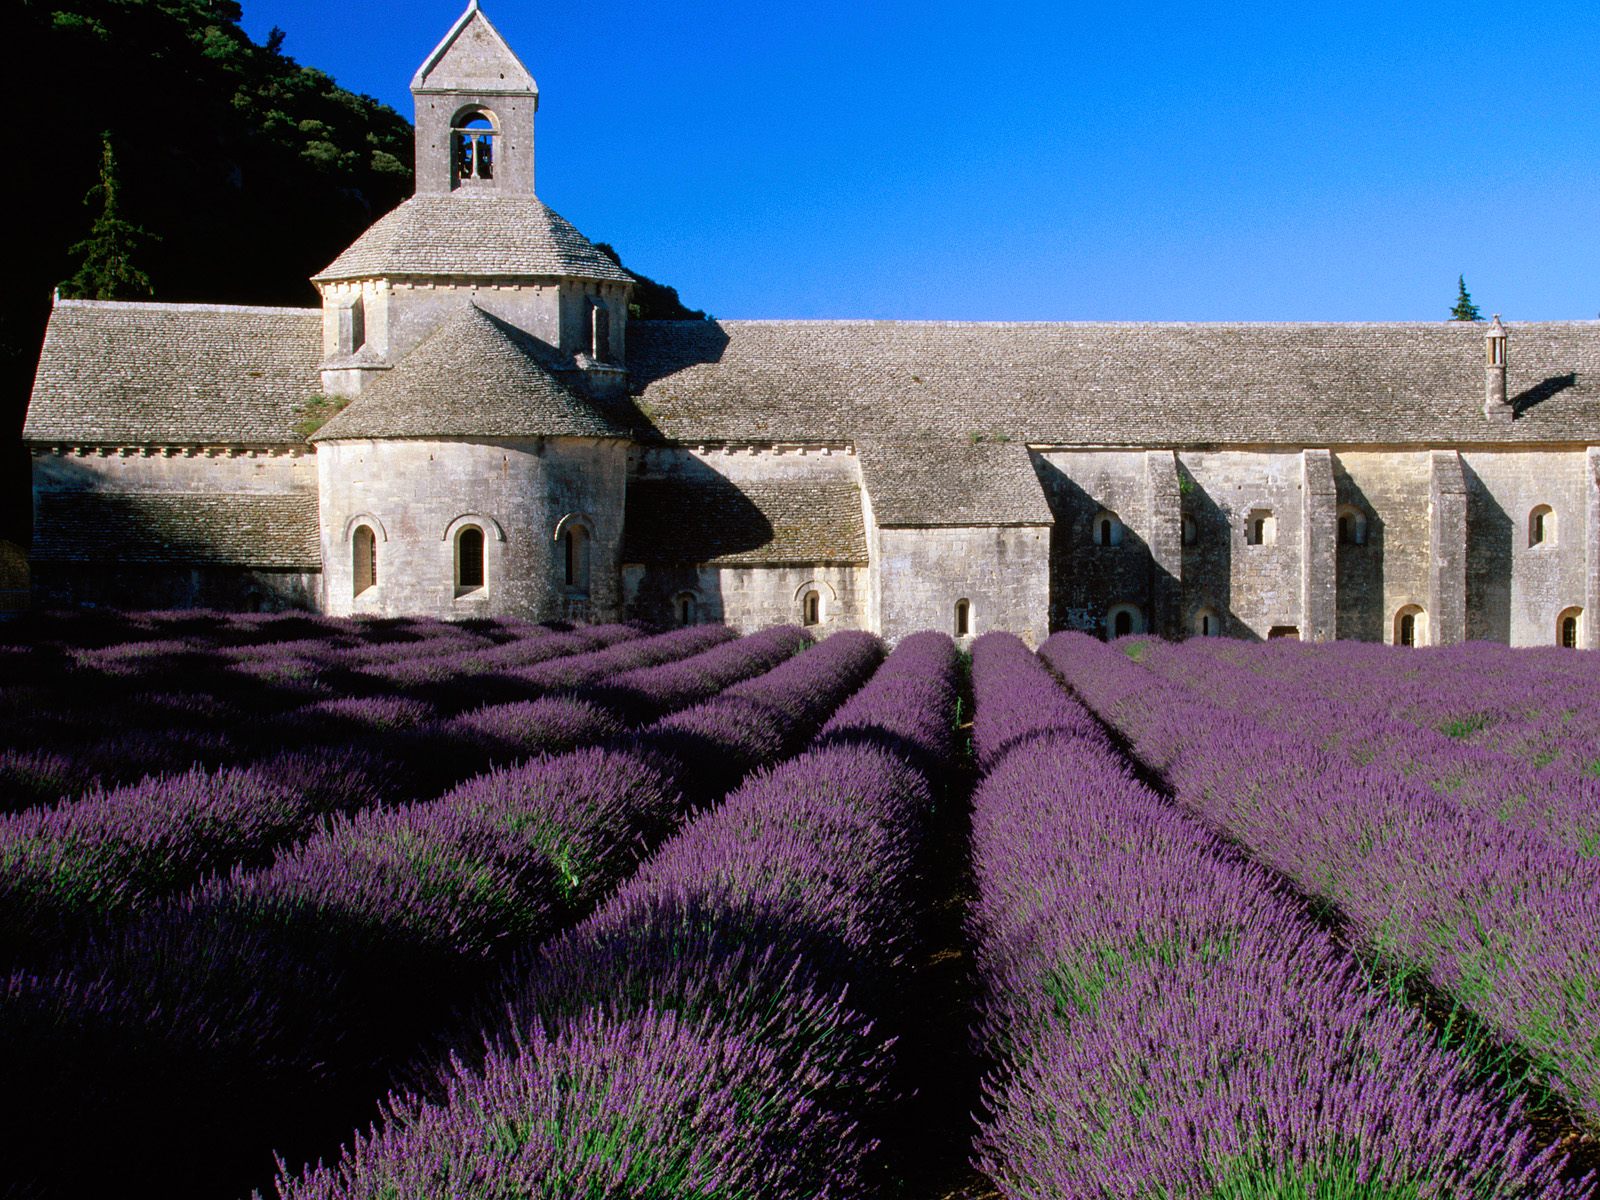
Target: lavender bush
(711,1030)
(1499,919)
(1165,1023)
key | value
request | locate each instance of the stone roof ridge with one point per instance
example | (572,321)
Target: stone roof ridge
(165,306)
(514,391)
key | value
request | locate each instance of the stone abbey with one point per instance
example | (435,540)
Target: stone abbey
(504,440)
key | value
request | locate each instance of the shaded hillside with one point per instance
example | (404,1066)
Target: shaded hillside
(250,170)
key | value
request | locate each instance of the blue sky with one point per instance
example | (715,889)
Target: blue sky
(1037,161)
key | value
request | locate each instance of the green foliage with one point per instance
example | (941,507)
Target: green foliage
(236,203)
(1465,309)
(1338,1177)
(106,270)
(317,412)
(652,301)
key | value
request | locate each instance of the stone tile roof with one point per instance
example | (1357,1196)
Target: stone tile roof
(474,376)
(713,521)
(179,528)
(1109,384)
(114,373)
(467,233)
(927,481)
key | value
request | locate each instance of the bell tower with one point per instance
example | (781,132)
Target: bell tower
(475,103)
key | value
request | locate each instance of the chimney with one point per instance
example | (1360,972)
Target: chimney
(1495,404)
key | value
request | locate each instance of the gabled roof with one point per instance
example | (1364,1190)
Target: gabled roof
(115,373)
(1110,384)
(470,233)
(711,520)
(945,481)
(474,376)
(473,56)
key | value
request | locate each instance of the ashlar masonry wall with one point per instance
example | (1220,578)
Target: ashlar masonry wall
(418,495)
(1003,571)
(1517,588)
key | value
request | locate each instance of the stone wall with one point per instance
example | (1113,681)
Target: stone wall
(236,589)
(398,316)
(1003,571)
(1391,569)
(1088,579)
(748,598)
(418,495)
(1516,591)
(237,470)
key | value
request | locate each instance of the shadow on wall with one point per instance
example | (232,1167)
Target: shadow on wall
(674,524)
(1087,579)
(1490,549)
(1207,560)
(1542,391)
(171,549)
(1358,569)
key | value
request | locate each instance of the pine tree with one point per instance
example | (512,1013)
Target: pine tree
(106,270)
(1465,309)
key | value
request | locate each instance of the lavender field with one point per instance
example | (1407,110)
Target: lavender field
(311,909)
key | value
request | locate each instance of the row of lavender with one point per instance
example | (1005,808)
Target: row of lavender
(1538,704)
(110,852)
(1498,919)
(1549,799)
(1163,1021)
(263,1009)
(90,720)
(722,1027)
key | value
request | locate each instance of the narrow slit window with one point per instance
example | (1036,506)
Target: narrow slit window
(364,559)
(811,609)
(575,558)
(469,558)
(963,618)
(1542,526)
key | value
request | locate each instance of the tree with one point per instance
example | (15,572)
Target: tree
(1465,309)
(106,270)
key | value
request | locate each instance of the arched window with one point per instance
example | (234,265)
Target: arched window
(1410,626)
(1123,620)
(1352,526)
(1260,527)
(1569,627)
(1207,623)
(1542,526)
(683,608)
(1107,529)
(363,559)
(599,331)
(1191,531)
(811,608)
(469,559)
(575,559)
(963,618)
(473,146)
